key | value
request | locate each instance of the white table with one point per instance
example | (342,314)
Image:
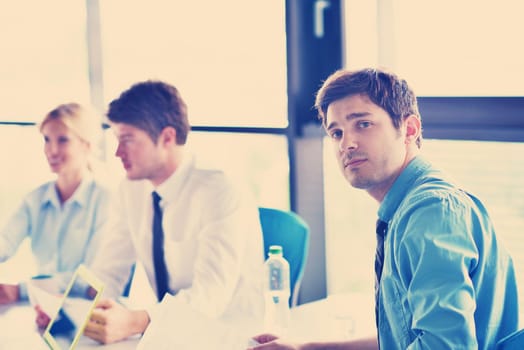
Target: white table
(338,317)
(334,318)
(19,331)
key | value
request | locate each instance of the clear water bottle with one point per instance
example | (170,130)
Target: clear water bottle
(277,292)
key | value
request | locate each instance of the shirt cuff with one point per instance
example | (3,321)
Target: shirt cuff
(152,311)
(22,288)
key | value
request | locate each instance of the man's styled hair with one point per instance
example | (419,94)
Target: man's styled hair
(152,106)
(384,89)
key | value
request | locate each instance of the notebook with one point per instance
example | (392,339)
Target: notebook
(70,318)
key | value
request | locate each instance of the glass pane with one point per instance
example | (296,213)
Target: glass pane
(443,48)
(25,168)
(454,48)
(44,57)
(493,171)
(226,57)
(19,177)
(350,216)
(258,161)
(360,22)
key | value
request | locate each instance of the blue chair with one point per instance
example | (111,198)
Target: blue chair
(127,288)
(514,341)
(290,231)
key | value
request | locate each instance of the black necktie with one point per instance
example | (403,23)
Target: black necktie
(158,249)
(382,228)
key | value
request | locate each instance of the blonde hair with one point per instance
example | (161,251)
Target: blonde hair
(83,121)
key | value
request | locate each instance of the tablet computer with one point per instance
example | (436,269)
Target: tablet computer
(67,324)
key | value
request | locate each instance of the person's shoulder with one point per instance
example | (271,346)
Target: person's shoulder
(207,174)
(436,198)
(39,196)
(41,191)
(215,181)
(126,184)
(437,185)
(133,188)
(101,186)
(98,191)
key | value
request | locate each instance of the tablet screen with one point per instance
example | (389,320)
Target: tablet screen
(67,325)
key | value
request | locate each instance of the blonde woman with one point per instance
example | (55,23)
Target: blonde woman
(63,218)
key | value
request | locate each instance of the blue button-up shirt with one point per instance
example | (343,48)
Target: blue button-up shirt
(62,236)
(447,282)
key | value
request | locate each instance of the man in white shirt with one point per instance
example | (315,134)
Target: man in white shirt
(212,239)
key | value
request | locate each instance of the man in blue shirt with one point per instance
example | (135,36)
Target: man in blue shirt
(444,281)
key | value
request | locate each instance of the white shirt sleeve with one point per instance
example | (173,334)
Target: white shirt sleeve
(116,253)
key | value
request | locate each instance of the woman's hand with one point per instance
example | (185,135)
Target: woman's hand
(9,293)
(42,319)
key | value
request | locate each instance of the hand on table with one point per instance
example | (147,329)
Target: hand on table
(42,319)
(111,322)
(272,342)
(9,293)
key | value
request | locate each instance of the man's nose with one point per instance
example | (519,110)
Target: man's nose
(347,142)
(51,147)
(118,151)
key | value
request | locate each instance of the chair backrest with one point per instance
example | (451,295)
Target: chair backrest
(127,288)
(290,231)
(514,341)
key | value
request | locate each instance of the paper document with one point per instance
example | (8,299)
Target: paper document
(48,302)
(181,327)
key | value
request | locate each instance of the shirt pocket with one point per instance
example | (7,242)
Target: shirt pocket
(73,248)
(180,258)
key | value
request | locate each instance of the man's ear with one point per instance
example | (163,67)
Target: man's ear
(168,135)
(413,128)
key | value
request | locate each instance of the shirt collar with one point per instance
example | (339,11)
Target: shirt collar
(401,186)
(168,189)
(80,196)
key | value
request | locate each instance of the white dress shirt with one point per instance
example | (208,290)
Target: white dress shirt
(212,242)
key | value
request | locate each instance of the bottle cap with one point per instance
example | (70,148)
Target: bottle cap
(275,249)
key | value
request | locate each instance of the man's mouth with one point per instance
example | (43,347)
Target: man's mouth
(352,162)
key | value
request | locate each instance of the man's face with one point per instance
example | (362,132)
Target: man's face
(371,152)
(141,157)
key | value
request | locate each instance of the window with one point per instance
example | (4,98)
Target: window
(442,48)
(350,231)
(44,64)
(229,60)
(25,167)
(54,33)
(492,171)
(453,48)
(258,162)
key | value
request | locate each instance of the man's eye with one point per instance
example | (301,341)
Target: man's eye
(364,124)
(336,134)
